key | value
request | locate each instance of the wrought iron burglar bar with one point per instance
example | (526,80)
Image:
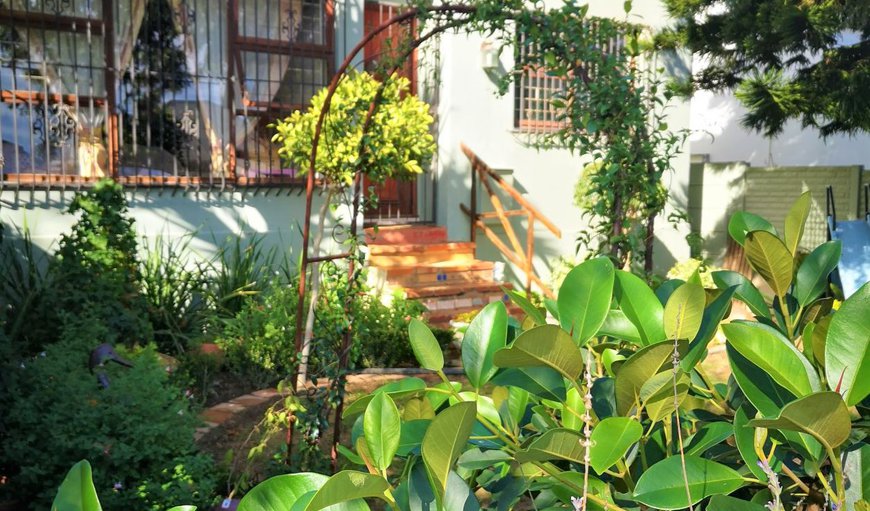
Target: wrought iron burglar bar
(176,93)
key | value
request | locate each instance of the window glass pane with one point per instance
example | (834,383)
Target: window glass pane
(276,78)
(73,8)
(298,21)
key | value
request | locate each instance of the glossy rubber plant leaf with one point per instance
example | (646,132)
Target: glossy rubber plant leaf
(611,439)
(742,223)
(425,346)
(745,291)
(847,348)
(445,440)
(412,435)
(618,326)
(638,369)
(382,426)
(726,503)
(795,222)
(663,486)
(281,493)
(769,256)
(77,492)
(554,444)
(543,382)
(811,279)
(822,415)
(536,314)
(348,485)
(684,312)
(713,315)
(486,334)
(667,288)
(398,390)
(856,468)
(765,347)
(710,434)
(640,305)
(543,346)
(584,298)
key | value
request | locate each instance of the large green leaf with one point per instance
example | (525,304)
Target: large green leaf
(765,347)
(744,438)
(640,305)
(400,389)
(345,486)
(77,492)
(638,369)
(543,346)
(795,221)
(477,459)
(618,326)
(745,291)
(757,385)
(486,334)
(573,410)
(713,315)
(611,439)
(666,289)
(742,223)
(769,256)
(726,503)
(856,468)
(538,316)
(660,395)
(281,493)
(425,346)
(459,496)
(811,279)
(383,428)
(412,435)
(707,436)
(554,444)
(540,381)
(823,415)
(684,312)
(584,298)
(444,440)
(663,485)
(847,348)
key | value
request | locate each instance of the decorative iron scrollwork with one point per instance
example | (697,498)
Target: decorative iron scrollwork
(57,6)
(188,123)
(56,124)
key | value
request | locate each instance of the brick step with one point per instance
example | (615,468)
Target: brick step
(441,318)
(403,234)
(457,289)
(437,253)
(443,273)
(422,248)
(474,300)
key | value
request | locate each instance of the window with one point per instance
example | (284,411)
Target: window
(535,90)
(168,92)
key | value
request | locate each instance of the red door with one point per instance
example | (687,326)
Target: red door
(396,198)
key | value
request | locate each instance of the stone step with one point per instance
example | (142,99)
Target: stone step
(441,318)
(457,289)
(404,234)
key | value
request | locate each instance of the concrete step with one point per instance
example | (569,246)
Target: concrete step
(404,234)
(441,318)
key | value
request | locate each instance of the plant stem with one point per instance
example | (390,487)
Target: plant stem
(838,476)
(791,475)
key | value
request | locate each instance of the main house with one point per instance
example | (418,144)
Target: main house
(174,99)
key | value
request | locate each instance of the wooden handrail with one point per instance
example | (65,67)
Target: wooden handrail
(518,256)
(480,166)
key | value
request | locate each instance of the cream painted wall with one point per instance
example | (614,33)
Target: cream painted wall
(208,219)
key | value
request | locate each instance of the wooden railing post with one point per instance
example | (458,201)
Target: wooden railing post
(473,236)
(530,253)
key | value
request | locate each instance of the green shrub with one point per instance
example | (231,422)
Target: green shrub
(138,432)
(96,270)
